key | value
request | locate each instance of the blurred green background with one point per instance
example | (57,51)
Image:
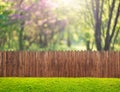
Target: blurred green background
(42,25)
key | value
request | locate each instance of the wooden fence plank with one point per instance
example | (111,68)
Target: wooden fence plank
(1,64)
(21,64)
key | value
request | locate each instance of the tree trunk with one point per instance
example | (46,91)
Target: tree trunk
(107,40)
(21,36)
(22,22)
(97,26)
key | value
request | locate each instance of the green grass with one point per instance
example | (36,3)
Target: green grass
(59,85)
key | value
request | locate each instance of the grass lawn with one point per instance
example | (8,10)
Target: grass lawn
(59,85)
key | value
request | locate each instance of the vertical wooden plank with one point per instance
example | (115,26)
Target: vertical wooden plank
(4,63)
(26,62)
(115,64)
(93,67)
(73,61)
(33,61)
(9,64)
(109,55)
(89,61)
(15,69)
(59,63)
(109,64)
(39,55)
(84,64)
(38,63)
(99,68)
(66,72)
(56,64)
(103,64)
(47,61)
(21,64)
(95,63)
(75,56)
(100,64)
(53,64)
(34,58)
(23,60)
(112,64)
(75,53)
(80,64)
(19,70)
(44,69)
(77,64)
(81,61)
(33,65)
(62,63)
(44,63)
(116,58)
(57,57)
(91,64)
(1,64)
(49,64)
(119,66)
(24,55)
(106,63)
(68,62)
(67,65)
(74,64)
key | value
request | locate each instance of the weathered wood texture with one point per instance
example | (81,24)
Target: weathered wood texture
(60,64)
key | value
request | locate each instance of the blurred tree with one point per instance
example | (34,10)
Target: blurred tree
(103,17)
(4,17)
(46,23)
(99,13)
(59,24)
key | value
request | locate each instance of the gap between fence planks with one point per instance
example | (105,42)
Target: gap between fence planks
(60,64)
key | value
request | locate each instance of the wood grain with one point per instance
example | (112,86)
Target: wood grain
(60,64)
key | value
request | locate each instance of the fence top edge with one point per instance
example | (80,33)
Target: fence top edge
(61,51)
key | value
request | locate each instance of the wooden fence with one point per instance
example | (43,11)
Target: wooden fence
(60,64)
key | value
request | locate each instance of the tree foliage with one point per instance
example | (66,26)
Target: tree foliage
(59,24)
